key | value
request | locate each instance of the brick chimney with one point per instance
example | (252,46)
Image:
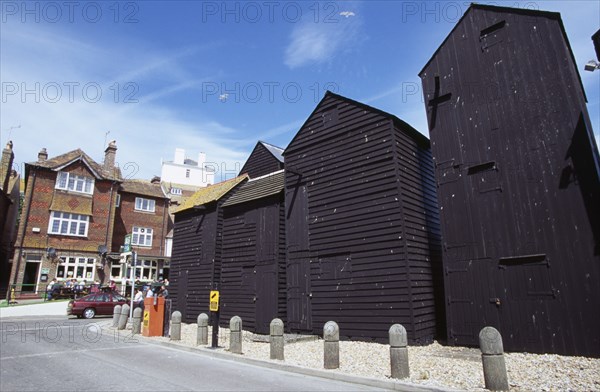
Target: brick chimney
(42,155)
(7,161)
(109,155)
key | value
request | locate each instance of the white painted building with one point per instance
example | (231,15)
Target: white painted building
(185,171)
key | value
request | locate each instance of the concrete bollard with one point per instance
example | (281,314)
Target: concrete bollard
(235,335)
(331,335)
(202,338)
(137,321)
(124,316)
(492,356)
(276,331)
(398,352)
(176,325)
(116,316)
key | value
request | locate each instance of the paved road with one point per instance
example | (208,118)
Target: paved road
(61,354)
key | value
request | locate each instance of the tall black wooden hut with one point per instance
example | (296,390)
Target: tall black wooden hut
(196,257)
(363,238)
(517,171)
(265,158)
(253,253)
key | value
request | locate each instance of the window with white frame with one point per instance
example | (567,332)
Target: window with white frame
(142,204)
(141,236)
(76,268)
(72,182)
(145,270)
(118,203)
(65,223)
(175,191)
(187,173)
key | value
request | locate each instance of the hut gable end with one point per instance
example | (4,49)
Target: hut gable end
(352,172)
(264,159)
(510,132)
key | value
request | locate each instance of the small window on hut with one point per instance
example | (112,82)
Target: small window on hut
(330,115)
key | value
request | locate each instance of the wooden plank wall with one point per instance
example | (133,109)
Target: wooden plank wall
(192,267)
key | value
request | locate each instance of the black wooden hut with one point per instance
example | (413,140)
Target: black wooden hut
(264,159)
(517,171)
(195,257)
(253,253)
(363,238)
(596,41)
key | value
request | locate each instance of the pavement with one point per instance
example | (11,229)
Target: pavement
(50,308)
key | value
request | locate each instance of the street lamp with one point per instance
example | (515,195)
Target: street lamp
(592,65)
(133,270)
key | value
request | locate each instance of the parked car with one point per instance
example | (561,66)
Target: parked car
(101,303)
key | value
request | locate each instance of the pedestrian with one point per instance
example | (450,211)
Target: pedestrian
(166,282)
(112,286)
(49,289)
(149,292)
(138,299)
(164,292)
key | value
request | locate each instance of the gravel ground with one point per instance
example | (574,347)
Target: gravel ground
(432,365)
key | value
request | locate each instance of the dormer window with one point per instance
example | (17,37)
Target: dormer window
(175,191)
(74,183)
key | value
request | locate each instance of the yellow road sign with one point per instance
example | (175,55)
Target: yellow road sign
(214,301)
(146,318)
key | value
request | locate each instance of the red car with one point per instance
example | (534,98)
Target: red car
(102,303)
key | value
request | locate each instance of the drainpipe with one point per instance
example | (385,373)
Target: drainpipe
(162,236)
(110,209)
(110,212)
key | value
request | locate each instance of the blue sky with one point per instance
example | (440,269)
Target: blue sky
(215,77)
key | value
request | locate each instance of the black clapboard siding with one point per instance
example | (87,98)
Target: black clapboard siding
(518,176)
(262,160)
(350,251)
(192,261)
(196,254)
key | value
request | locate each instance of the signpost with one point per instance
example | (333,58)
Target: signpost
(124,255)
(214,301)
(214,308)
(133,266)
(127,244)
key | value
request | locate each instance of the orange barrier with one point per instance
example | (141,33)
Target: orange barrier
(154,315)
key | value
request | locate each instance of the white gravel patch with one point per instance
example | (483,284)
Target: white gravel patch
(432,365)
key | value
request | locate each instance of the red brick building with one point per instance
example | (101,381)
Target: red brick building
(75,215)
(143,212)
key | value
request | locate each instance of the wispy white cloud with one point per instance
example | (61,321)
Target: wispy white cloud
(146,130)
(316,43)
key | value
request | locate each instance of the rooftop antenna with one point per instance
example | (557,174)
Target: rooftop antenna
(105,137)
(10,131)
